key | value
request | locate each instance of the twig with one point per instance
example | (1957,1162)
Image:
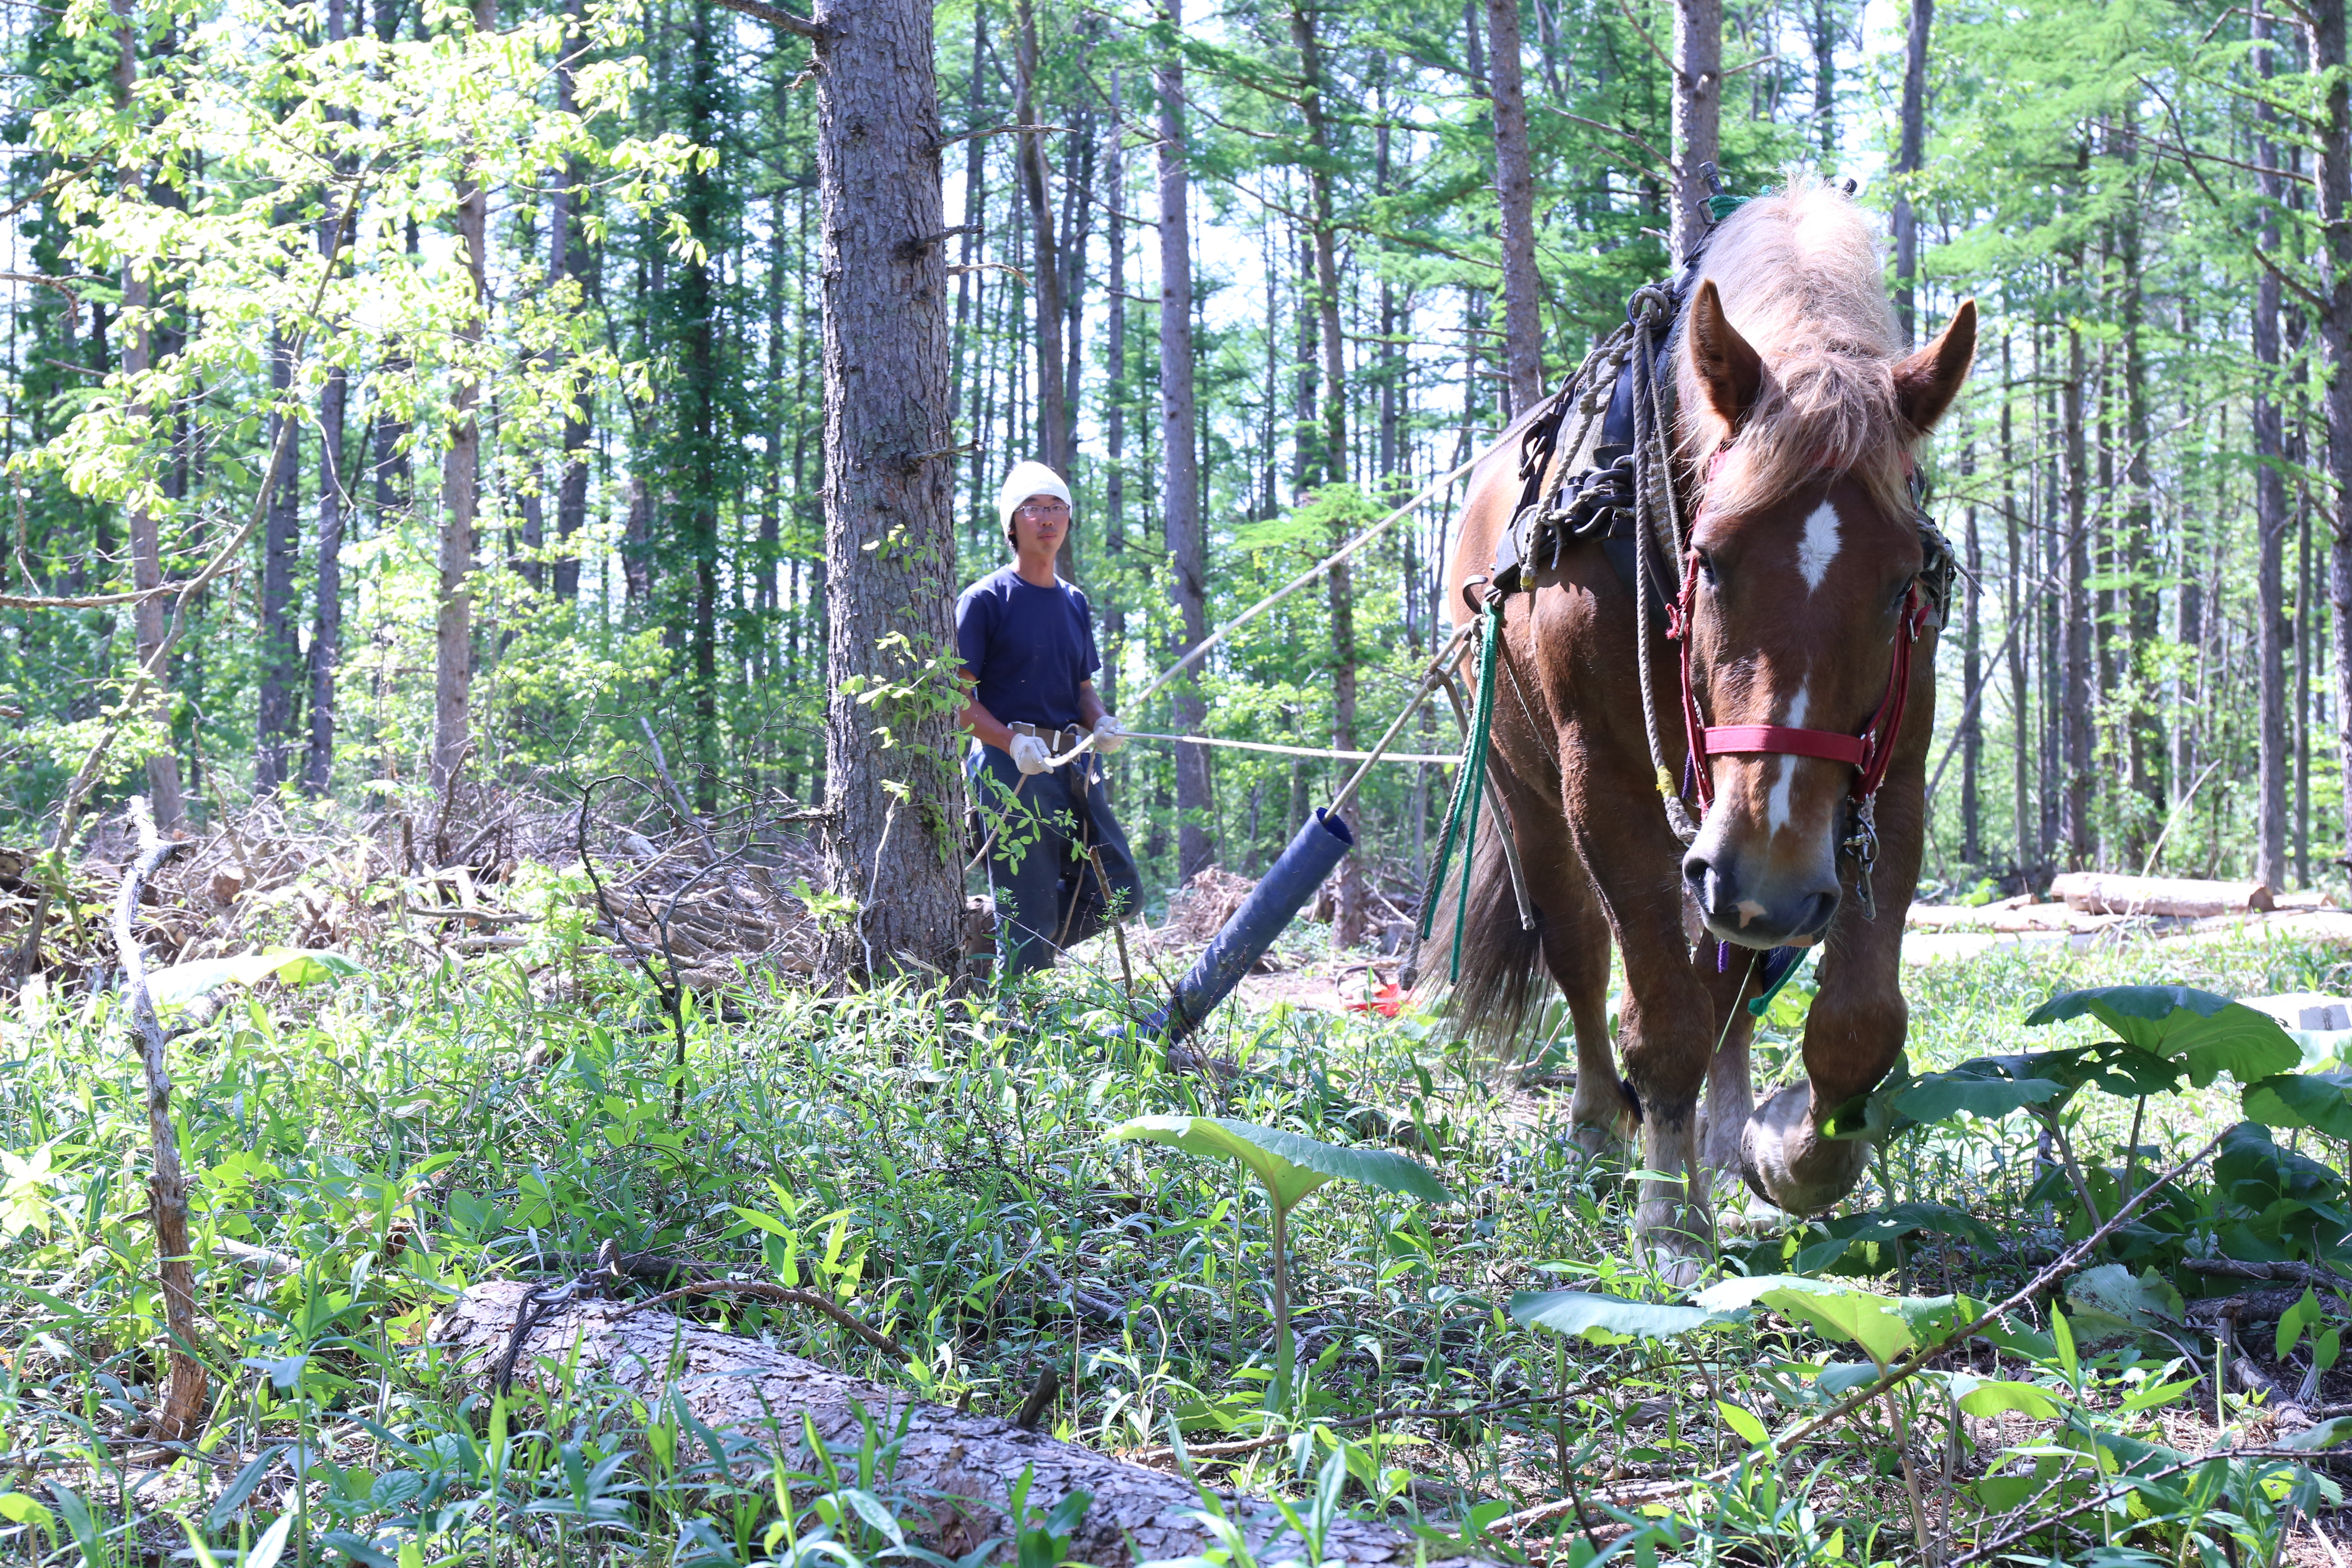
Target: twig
(1041,1394)
(180,1417)
(782,20)
(760,1290)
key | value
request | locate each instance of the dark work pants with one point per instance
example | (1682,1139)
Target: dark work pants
(1048,893)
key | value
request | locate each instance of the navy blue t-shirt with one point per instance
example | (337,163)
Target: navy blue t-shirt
(1028,647)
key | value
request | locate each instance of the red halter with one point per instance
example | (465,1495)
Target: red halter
(1869,753)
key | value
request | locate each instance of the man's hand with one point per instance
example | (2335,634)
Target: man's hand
(1028,753)
(1110,734)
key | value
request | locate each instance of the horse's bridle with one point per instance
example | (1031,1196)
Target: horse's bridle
(1870,753)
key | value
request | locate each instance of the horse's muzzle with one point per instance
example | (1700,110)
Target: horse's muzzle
(1756,912)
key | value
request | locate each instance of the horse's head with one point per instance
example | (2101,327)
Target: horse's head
(1804,577)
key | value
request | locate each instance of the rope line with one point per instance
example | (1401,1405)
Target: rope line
(1324,752)
(1467,788)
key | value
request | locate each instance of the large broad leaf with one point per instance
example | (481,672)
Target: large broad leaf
(2319,1101)
(2146,1302)
(1989,1396)
(184,982)
(1988,1087)
(1883,1327)
(1290,1165)
(2208,1035)
(1608,1320)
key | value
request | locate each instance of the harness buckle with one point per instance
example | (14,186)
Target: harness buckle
(1863,845)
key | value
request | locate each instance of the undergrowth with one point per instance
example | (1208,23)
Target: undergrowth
(364,1151)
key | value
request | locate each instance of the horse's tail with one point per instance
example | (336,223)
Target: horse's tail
(1502,975)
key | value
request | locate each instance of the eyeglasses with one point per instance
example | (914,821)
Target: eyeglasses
(1042,509)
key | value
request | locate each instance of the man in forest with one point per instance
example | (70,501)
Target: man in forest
(1056,857)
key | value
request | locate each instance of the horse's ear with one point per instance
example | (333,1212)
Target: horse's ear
(1730,371)
(1926,382)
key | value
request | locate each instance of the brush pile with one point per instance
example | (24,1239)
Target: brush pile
(706,904)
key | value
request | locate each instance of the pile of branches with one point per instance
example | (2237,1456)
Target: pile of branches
(702,900)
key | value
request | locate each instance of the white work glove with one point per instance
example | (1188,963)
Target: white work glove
(1028,753)
(1110,734)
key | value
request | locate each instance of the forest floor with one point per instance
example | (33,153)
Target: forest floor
(435,1113)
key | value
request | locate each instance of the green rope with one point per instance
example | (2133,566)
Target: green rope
(1469,779)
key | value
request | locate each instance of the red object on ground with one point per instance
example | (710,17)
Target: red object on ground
(1388,1002)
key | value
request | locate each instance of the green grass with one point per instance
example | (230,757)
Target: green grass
(939,1165)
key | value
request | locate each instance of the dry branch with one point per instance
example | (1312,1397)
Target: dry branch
(2098,893)
(739,1386)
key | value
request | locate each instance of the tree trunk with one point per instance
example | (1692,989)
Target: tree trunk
(1823,33)
(2327,61)
(1180,495)
(281,668)
(2075,650)
(1698,103)
(147,626)
(2012,615)
(2270,512)
(892,789)
(1110,592)
(1352,919)
(1971,679)
(967,1464)
(1044,275)
(1514,193)
(568,261)
(461,470)
(1907,158)
(327,620)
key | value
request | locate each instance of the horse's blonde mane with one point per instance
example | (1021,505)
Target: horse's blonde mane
(1801,277)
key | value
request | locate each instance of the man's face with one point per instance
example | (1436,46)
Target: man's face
(1040,522)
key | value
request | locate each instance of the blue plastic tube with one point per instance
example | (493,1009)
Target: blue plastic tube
(1319,846)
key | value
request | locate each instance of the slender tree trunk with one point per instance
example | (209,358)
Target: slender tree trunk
(2014,617)
(568,262)
(280,539)
(147,622)
(327,620)
(1352,919)
(1971,677)
(1111,592)
(1697,109)
(2270,512)
(1044,275)
(461,474)
(893,794)
(1907,158)
(2075,652)
(1823,33)
(1514,193)
(1180,503)
(2327,61)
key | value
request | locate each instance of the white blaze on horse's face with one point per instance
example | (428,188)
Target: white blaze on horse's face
(1816,548)
(1777,811)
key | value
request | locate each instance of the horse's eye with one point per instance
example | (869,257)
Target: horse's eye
(1706,567)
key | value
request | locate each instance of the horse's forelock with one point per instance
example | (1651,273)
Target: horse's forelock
(1801,278)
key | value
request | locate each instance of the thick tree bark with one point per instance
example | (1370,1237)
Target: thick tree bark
(2270,514)
(461,473)
(1907,158)
(147,627)
(281,668)
(1180,494)
(1515,195)
(1697,110)
(735,1385)
(893,789)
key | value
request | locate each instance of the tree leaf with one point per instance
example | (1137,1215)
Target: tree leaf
(2208,1034)
(1608,1320)
(1837,1311)
(2146,1302)
(184,982)
(1743,1421)
(1995,1397)
(2319,1101)
(1290,1165)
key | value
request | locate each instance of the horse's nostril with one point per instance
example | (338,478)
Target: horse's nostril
(1696,869)
(1818,910)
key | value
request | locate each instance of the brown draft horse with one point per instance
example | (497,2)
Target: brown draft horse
(1798,413)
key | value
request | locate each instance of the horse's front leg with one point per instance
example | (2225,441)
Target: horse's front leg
(1666,1033)
(1853,1032)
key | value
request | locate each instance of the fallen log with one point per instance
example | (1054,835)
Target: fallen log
(2099,893)
(739,1386)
